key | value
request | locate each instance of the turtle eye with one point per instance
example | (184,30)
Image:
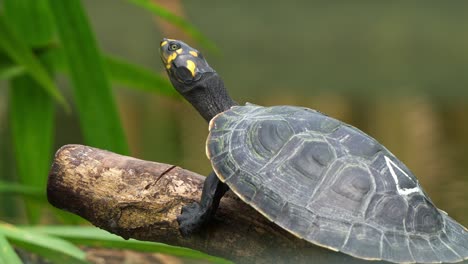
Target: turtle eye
(174,46)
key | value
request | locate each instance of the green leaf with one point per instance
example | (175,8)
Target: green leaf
(31,124)
(24,190)
(8,68)
(138,77)
(91,236)
(38,196)
(31,108)
(10,71)
(32,19)
(7,253)
(120,72)
(18,51)
(55,249)
(124,73)
(177,21)
(97,111)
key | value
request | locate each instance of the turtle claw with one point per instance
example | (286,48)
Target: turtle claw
(190,220)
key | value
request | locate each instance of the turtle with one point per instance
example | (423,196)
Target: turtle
(320,179)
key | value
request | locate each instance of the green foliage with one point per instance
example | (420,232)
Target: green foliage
(8,255)
(93,96)
(19,51)
(23,190)
(52,248)
(57,243)
(39,39)
(32,114)
(31,107)
(176,20)
(135,76)
(119,71)
(91,236)
(8,69)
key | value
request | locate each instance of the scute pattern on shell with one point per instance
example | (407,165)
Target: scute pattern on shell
(331,184)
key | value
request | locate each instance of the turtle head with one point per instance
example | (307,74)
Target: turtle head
(194,79)
(184,64)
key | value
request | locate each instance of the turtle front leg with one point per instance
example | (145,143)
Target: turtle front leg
(195,215)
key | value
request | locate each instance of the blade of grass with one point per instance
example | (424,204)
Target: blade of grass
(24,190)
(97,111)
(91,236)
(125,73)
(120,72)
(32,121)
(177,21)
(67,218)
(138,77)
(32,19)
(9,69)
(31,108)
(19,51)
(55,249)
(7,253)
(38,196)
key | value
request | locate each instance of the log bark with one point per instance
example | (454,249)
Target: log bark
(141,199)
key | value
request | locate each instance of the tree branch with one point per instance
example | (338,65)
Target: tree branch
(141,199)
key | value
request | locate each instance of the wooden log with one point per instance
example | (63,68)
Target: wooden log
(141,199)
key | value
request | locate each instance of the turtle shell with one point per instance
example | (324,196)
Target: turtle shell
(330,184)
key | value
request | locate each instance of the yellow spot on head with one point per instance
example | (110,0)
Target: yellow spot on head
(193,53)
(163,43)
(171,57)
(168,66)
(191,66)
(179,51)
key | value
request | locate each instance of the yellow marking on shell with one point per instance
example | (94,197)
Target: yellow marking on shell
(164,43)
(171,39)
(179,51)
(171,57)
(191,66)
(195,54)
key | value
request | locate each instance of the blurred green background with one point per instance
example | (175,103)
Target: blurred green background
(397,70)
